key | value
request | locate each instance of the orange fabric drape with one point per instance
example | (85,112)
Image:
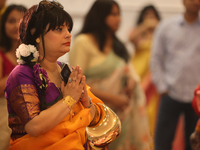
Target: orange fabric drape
(68,134)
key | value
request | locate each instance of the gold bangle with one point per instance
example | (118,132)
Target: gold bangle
(69,101)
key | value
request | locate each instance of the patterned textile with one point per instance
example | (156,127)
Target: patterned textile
(22,95)
(23,105)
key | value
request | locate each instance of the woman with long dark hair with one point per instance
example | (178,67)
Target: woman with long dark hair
(105,62)
(9,41)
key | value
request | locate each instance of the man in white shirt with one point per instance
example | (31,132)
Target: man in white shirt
(175,66)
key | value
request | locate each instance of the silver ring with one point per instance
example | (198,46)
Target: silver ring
(70,80)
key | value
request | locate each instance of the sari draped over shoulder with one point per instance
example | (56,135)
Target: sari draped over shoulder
(23,105)
(109,73)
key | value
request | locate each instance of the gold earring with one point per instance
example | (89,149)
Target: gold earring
(37,40)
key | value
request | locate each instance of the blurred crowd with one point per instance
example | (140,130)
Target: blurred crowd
(153,90)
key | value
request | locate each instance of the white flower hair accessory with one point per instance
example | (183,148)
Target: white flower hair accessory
(25,51)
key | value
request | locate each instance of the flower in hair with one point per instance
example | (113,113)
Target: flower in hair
(41,77)
(25,51)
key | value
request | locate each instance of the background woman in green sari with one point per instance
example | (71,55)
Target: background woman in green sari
(105,62)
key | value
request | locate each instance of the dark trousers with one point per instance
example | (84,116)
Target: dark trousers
(169,112)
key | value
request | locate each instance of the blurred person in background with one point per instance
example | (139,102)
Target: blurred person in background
(106,64)
(175,55)
(141,38)
(9,41)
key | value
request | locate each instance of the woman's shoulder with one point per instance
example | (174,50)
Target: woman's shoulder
(21,70)
(21,74)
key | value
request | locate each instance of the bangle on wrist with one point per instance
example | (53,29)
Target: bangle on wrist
(90,103)
(69,101)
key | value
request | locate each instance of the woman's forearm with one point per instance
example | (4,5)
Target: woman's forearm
(47,119)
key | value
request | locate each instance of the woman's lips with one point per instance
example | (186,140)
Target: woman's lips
(67,43)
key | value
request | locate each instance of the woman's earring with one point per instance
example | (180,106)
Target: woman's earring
(37,40)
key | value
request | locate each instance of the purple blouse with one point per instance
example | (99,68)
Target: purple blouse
(22,94)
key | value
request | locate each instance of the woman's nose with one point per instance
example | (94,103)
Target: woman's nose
(17,23)
(67,34)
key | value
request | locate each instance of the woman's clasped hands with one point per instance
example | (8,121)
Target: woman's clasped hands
(76,87)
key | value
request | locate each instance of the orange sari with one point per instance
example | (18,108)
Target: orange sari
(67,135)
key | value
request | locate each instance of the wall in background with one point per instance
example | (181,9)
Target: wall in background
(129,13)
